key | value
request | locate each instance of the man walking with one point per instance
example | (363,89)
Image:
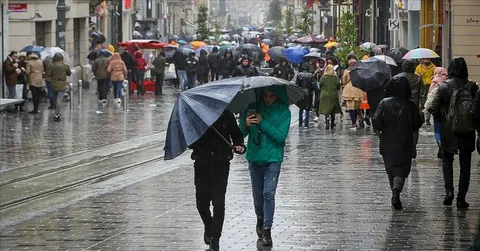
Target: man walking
(159,63)
(213,64)
(453,108)
(212,164)
(266,124)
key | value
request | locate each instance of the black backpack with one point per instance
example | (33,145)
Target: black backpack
(459,116)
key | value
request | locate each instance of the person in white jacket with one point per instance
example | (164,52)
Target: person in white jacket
(439,76)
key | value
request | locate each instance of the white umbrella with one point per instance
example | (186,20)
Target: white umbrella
(49,52)
(387,59)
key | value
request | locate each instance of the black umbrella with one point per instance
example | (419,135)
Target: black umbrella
(249,48)
(370,74)
(276,53)
(397,54)
(314,55)
(96,54)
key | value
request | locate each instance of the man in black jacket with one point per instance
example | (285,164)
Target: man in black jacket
(180,61)
(160,63)
(452,143)
(129,61)
(227,64)
(417,87)
(245,69)
(283,70)
(212,157)
(213,63)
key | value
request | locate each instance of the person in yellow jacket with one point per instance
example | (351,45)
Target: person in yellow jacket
(425,70)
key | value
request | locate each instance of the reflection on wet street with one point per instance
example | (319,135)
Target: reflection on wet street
(333,194)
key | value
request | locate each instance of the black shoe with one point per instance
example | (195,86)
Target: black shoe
(57,118)
(267,237)
(259,228)
(396,203)
(462,204)
(299,125)
(448,199)
(33,112)
(367,121)
(214,244)
(51,107)
(361,124)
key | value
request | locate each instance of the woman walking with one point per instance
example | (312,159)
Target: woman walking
(352,95)
(58,72)
(396,118)
(118,71)
(35,75)
(329,106)
(439,76)
(203,68)
(140,68)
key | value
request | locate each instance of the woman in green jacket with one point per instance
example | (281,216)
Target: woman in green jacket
(329,106)
(267,123)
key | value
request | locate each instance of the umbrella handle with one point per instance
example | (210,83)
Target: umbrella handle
(228,143)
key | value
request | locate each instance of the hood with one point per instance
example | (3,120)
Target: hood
(116,56)
(138,54)
(439,71)
(409,66)
(280,91)
(458,68)
(33,56)
(399,87)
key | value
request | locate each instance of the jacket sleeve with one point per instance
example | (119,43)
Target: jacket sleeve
(236,72)
(378,119)
(94,66)
(277,133)
(417,119)
(338,85)
(291,73)
(431,95)
(67,70)
(235,132)
(9,68)
(29,68)
(49,72)
(476,111)
(245,131)
(125,70)
(423,96)
(109,67)
(437,103)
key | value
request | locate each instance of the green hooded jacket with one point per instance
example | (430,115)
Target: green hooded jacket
(266,141)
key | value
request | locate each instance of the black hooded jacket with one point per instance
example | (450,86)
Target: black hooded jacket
(458,77)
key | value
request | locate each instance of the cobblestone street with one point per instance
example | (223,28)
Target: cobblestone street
(333,192)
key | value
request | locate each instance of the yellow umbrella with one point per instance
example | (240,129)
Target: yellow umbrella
(197,44)
(331,44)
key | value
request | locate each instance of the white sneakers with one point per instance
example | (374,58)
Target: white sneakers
(119,100)
(315,119)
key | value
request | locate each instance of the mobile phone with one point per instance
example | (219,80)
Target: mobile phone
(251,112)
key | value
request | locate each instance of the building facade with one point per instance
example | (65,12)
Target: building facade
(34,23)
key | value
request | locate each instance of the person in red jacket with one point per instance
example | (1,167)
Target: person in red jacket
(141,67)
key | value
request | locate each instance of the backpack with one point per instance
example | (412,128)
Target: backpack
(459,116)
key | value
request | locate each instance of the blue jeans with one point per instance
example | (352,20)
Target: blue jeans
(264,184)
(307,117)
(117,88)
(191,80)
(51,96)
(182,78)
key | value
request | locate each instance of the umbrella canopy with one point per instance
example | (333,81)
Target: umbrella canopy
(314,55)
(249,48)
(276,53)
(49,52)
(33,48)
(292,37)
(197,44)
(182,42)
(370,74)
(295,54)
(186,49)
(96,54)
(224,43)
(197,109)
(291,45)
(386,59)
(397,54)
(367,46)
(421,53)
(309,39)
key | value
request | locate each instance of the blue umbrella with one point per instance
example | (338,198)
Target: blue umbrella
(295,54)
(197,109)
(33,48)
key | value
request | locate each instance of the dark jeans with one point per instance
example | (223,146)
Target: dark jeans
(117,89)
(211,185)
(465,166)
(159,83)
(36,93)
(103,86)
(203,78)
(300,117)
(214,74)
(191,80)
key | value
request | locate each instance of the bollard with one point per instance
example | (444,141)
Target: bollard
(125,95)
(71,95)
(80,91)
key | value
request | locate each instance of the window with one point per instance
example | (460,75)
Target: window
(40,31)
(76,42)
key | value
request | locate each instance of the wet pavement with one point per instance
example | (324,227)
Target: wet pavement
(333,192)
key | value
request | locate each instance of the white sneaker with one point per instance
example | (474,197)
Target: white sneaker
(104,100)
(119,100)
(315,119)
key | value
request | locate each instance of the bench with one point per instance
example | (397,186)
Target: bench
(5,102)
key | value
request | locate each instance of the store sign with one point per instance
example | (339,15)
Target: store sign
(17,7)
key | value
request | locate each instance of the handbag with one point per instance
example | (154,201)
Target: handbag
(170,72)
(18,91)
